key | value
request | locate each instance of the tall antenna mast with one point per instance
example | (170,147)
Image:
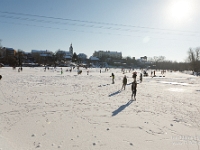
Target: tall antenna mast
(0,43)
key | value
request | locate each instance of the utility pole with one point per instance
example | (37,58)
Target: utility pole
(46,59)
(0,43)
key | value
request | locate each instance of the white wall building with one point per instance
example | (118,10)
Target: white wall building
(43,53)
(111,54)
(92,58)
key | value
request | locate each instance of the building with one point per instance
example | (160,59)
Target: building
(71,49)
(109,54)
(42,53)
(28,58)
(143,59)
(82,56)
(94,60)
(65,54)
(5,51)
(2,53)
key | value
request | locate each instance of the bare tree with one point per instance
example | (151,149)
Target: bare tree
(156,61)
(75,57)
(20,57)
(194,59)
(60,56)
(0,49)
(0,44)
(38,58)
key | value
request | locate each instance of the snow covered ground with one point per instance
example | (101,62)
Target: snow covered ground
(49,110)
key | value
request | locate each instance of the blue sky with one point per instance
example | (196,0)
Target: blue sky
(134,27)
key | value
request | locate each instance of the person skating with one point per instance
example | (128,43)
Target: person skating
(134,89)
(124,82)
(113,78)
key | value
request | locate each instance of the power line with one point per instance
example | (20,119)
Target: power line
(85,25)
(93,22)
(45,21)
(88,31)
(62,28)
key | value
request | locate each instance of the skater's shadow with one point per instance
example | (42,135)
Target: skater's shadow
(114,93)
(103,85)
(114,113)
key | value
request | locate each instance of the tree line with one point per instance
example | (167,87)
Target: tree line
(156,62)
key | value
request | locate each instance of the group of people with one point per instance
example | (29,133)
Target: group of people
(133,85)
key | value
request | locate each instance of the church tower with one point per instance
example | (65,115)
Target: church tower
(71,49)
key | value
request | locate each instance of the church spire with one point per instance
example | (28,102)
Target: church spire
(71,49)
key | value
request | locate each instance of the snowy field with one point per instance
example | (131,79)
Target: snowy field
(48,111)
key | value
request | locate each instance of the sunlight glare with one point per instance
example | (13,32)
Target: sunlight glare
(181,10)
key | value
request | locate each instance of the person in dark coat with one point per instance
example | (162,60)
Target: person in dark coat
(124,82)
(134,89)
(113,78)
(140,77)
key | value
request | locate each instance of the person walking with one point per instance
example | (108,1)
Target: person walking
(134,89)
(124,82)
(140,77)
(113,78)
(61,71)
